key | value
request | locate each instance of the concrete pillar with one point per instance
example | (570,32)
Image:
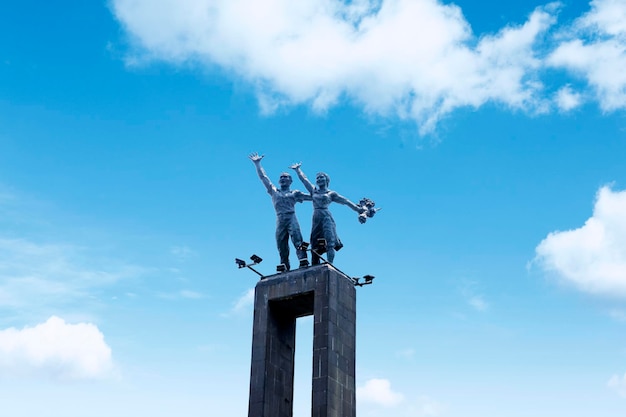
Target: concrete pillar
(331,298)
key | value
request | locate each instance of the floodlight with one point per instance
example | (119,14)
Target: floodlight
(304,262)
(368,280)
(281,268)
(304,246)
(255,260)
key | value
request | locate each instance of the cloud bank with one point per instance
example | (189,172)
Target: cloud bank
(592,257)
(55,349)
(407,59)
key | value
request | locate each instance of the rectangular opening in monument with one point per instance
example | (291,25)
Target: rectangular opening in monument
(303,374)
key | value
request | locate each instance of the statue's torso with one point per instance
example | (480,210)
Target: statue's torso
(285,201)
(321,199)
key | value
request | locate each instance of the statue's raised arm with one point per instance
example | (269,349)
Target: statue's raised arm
(256,158)
(305,181)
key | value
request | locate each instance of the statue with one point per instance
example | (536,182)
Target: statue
(323,229)
(284,201)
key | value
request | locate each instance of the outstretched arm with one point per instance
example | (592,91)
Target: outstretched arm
(256,158)
(303,178)
(300,197)
(338,198)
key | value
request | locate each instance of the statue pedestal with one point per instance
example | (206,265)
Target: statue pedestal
(279,299)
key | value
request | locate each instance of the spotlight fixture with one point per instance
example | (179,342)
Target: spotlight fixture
(321,245)
(255,261)
(281,268)
(304,262)
(368,280)
(304,246)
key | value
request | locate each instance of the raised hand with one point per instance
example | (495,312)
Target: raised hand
(255,157)
(296,165)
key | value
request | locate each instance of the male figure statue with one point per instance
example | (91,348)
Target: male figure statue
(284,200)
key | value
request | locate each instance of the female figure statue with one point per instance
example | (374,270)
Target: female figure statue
(323,225)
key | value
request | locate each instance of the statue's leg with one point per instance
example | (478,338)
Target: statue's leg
(330,234)
(315,260)
(296,237)
(330,254)
(282,241)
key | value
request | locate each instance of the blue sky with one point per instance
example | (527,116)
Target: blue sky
(493,135)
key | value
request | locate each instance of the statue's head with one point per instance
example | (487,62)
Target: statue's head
(322,179)
(285,180)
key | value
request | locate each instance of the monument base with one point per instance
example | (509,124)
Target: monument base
(279,300)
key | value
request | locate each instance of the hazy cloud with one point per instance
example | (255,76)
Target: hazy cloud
(478,303)
(618,384)
(426,407)
(55,349)
(43,274)
(242,304)
(592,257)
(408,353)
(378,391)
(473,299)
(617,315)
(182,253)
(191,294)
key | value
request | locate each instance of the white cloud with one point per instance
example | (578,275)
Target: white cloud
(567,99)
(411,59)
(618,384)
(595,49)
(378,391)
(55,349)
(592,257)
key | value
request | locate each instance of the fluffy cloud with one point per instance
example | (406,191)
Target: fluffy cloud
(567,99)
(595,49)
(411,59)
(592,257)
(378,391)
(55,349)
